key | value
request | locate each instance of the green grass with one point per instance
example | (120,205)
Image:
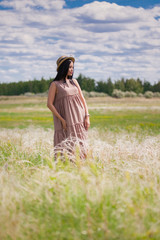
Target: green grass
(112,195)
(114,120)
(96,199)
(126,120)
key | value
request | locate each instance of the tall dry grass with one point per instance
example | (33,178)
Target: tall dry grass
(113,194)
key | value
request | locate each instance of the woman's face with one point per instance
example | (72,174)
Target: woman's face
(70,70)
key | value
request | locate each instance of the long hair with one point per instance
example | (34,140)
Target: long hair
(62,72)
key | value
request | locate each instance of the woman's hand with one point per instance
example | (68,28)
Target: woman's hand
(64,124)
(86,122)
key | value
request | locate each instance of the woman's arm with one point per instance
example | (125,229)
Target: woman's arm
(50,100)
(87,121)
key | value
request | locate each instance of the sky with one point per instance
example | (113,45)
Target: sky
(113,39)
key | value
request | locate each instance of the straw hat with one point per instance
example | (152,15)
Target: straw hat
(61,59)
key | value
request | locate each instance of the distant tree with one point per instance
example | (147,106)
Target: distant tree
(19,88)
(120,84)
(101,86)
(3,89)
(35,86)
(133,85)
(110,86)
(86,83)
(30,83)
(43,85)
(147,86)
(139,86)
(106,87)
(80,79)
(156,87)
(26,87)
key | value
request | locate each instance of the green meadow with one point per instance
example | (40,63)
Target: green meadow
(105,113)
(112,195)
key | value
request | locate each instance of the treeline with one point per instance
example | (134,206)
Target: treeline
(135,85)
(17,88)
(86,83)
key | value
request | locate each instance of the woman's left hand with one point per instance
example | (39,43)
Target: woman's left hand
(86,122)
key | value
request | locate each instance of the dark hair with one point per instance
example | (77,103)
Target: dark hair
(62,72)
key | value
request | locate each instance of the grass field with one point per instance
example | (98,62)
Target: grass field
(114,194)
(106,113)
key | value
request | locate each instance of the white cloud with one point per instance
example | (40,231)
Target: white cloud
(106,39)
(23,5)
(103,11)
(13,70)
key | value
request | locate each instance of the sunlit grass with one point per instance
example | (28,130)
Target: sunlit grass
(115,121)
(127,120)
(108,114)
(114,194)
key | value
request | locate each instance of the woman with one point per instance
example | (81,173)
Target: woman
(70,112)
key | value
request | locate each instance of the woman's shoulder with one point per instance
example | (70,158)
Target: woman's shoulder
(75,80)
(55,82)
(58,82)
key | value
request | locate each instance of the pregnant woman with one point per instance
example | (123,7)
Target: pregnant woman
(69,108)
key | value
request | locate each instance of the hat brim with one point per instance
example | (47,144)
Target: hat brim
(70,58)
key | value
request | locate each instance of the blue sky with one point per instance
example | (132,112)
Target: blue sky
(133,3)
(107,38)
